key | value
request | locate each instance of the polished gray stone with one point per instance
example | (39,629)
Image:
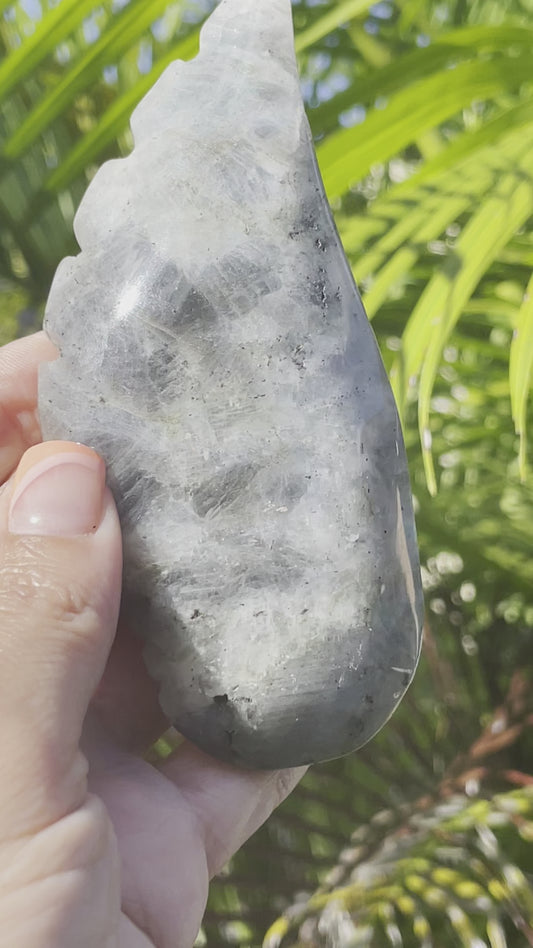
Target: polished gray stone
(215,350)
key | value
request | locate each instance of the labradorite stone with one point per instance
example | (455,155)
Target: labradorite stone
(215,351)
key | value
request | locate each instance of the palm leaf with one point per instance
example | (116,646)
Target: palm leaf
(339,14)
(446,52)
(521,364)
(90,147)
(487,232)
(348,155)
(445,874)
(59,23)
(123,32)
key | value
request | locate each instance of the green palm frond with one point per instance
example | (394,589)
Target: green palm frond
(521,364)
(335,16)
(122,32)
(443,874)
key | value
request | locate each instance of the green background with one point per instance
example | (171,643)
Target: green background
(422,113)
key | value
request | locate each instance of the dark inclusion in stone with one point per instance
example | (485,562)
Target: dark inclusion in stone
(214,349)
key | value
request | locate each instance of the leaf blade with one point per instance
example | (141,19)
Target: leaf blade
(331,20)
(50,31)
(347,156)
(114,119)
(486,233)
(520,372)
(122,32)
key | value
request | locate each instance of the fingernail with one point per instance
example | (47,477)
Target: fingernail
(58,491)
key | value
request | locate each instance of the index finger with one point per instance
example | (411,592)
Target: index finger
(19,420)
(229,804)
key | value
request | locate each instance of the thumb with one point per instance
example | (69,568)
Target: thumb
(60,579)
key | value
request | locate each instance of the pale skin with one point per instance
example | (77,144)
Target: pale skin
(98,848)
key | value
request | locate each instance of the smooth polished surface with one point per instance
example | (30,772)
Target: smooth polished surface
(215,351)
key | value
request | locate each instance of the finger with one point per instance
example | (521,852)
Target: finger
(126,699)
(229,804)
(19,423)
(189,825)
(154,826)
(60,578)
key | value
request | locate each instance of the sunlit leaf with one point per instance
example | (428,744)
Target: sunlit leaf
(122,32)
(49,32)
(347,155)
(520,368)
(500,216)
(447,51)
(115,119)
(337,15)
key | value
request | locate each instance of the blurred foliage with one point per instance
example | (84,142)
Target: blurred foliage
(422,112)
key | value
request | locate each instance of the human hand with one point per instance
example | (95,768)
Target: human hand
(98,848)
